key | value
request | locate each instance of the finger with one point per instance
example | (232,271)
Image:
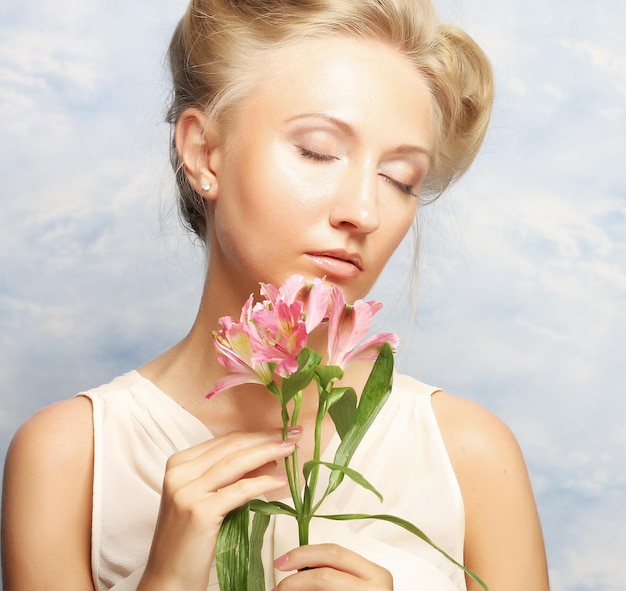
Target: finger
(322,579)
(237,465)
(266,469)
(234,455)
(319,556)
(198,512)
(234,440)
(220,503)
(231,475)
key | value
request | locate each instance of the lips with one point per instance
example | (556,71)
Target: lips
(338,262)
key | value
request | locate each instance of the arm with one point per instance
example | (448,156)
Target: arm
(503,539)
(46,510)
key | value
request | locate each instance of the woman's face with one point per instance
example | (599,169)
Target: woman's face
(322,166)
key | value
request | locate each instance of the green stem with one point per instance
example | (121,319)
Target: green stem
(303,530)
(297,403)
(293,477)
(296,478)
(293,486)
(296,492)
(319,419)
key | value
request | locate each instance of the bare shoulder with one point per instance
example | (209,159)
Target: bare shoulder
(473,434)
(503,538)
(61,433)
(46,507)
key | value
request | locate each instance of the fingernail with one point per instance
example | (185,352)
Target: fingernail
(292,434)
(281,560)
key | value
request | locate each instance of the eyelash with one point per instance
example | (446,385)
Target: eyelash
(406,189)
(315,155)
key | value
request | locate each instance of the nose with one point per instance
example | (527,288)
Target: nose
(356,204)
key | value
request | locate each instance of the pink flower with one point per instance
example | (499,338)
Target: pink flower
(280,334)
(348,325)
(288,292)
(271,334)
(284,320)
(314,297)
(235,352)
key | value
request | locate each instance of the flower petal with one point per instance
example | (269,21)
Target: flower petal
(292,288)
(232,380)
(347,325)
(316,302)
(370,348)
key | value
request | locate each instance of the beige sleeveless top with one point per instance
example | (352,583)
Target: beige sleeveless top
(137,427)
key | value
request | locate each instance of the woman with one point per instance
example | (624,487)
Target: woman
(304,134)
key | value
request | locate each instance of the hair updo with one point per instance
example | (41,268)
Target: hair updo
(219,47)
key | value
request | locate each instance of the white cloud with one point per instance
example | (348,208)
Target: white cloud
(38,56)
(614,114)
(555,91)
(592,556)
(601,57)
(518,87)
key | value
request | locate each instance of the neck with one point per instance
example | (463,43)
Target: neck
(190,369)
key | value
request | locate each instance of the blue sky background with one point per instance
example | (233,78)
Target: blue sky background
(522,290)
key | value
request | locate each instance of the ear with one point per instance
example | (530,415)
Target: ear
(197,142)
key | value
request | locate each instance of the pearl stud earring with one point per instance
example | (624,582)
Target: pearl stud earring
(206,185)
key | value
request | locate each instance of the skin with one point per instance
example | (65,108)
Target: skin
(336,149)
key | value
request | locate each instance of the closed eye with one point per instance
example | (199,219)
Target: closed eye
(316,155)
(406,189)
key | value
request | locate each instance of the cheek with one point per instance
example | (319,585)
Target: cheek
(305,184)
(262,189)
(393,233)
(400,223)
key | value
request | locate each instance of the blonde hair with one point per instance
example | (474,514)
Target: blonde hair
(219,47)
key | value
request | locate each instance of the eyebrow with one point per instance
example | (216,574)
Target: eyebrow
(410,149)
(352,132)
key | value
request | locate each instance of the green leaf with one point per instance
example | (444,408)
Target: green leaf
(256,574)
(233,550)
(308,358)
(327,373)
(407,525)
(342,409)
(295,383)
(353,474)
(375,393)
(299,380)
(271,508)
(238,555)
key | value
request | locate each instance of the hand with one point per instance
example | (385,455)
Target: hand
(201,485)
(329,567)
